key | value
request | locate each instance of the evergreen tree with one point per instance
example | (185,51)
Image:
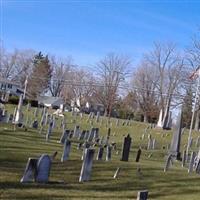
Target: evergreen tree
(40,77)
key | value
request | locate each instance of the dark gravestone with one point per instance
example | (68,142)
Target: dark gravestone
(138,155)
(142,195)
(43,169)
(176,139)
(197,142)
(183,158)
(82,135)
(64,136)
(30,171)
(126,148)
(87,165)
(100,153)
(35,124)
(66,150)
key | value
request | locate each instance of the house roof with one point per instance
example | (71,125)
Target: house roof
(4,80)
(49,100)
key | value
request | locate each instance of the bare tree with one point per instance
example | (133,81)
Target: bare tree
(144,82)
(61,74)
(111,72)
(169,64)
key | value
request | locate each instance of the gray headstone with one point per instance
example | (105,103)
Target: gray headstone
(176,139)
(108,153)
(66,150)
(30,171)
(64,136)
(43,169)
(191,164)
(87,165)
(100,153)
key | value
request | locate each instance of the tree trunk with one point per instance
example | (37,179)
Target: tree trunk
(196,127)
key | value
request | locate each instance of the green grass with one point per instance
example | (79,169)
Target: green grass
(17,146)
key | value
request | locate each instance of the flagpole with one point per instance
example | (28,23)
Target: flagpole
(193,113)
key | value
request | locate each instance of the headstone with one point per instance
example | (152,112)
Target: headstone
(126,148)
(76,131)
(64,136)
(176,139)
(142,195)
(35,124)
(100,153)
(66,150)
(36,112)
(197,163)
(108,153)
(87,165)
(168,162)
(191,164)
(49,131)
(183,158)
(117,173)
(138,155)
(117,122)
(190,142)
(30,171)
(43,169)
(98,117)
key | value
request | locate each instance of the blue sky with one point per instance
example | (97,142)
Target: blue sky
(88,30)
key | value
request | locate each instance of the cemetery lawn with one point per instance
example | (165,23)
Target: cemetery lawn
(17,146)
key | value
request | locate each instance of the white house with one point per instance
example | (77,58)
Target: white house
(50,101)
(10,88)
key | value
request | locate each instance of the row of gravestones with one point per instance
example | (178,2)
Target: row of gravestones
(174,153)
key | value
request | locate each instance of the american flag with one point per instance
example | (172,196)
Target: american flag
(195,74)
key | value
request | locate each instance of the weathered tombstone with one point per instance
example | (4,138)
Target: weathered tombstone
(108,153)
(28,107)
(126,148)
(154,144)
(91,135)
(117,173)
(190,142)
(197,163)
(100,153)
(183,158)
(76,131)
(82,135)
(168,162)
(43,169)
(138,155)
(191,164)
(35,124)
(64,136)
(66,150)
(117,122)
(36,112)
(142,195)
(98,117)
(176,139)
(150,143)
(87,165)
(30,171)
(49,131)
